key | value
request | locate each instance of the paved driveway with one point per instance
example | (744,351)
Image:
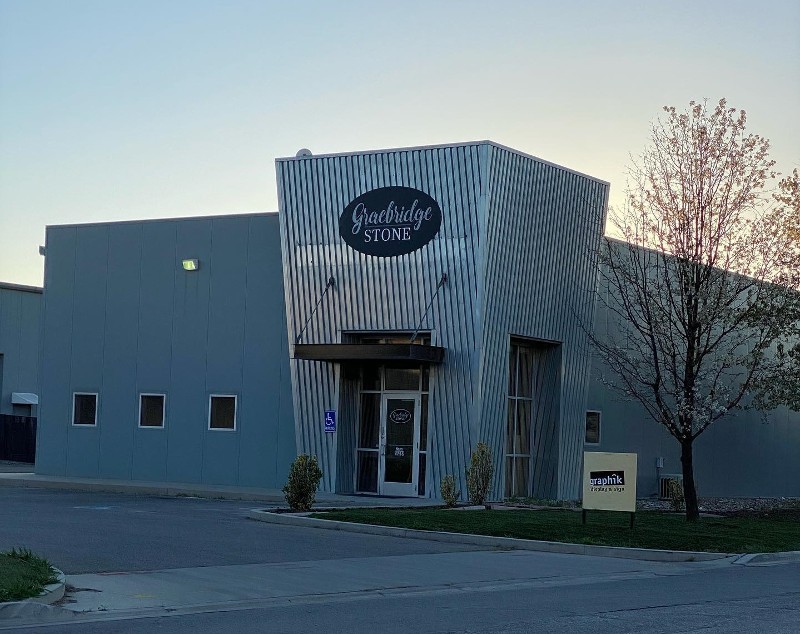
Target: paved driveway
(108,532)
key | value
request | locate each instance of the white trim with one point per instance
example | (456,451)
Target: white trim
(163,411)
(599,427)
(96,409)
(235,411)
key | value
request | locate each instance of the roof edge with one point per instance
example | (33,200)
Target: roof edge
(9,286)
(101,223)
(284,159)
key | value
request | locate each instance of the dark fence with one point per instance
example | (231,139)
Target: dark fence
(17,438)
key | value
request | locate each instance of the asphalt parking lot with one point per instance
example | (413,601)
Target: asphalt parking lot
(107,532)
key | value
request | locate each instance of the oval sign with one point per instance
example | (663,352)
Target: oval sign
(400,415)
(390,221)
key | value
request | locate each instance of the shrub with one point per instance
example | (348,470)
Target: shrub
(675,493)
(301,487)
(448,489)
(479,474)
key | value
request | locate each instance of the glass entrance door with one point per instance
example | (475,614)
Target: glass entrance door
(399,451)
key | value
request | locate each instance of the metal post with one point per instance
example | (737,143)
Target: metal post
(583,516)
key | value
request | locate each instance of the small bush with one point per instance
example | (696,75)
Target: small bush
(301,487)
(479,474)
(448,489)
(675,493)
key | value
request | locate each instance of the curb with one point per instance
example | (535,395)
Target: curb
(36,606)
(643,554)
(787,556)
(52,592)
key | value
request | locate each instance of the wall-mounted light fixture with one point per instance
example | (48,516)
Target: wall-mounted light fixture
(191,265)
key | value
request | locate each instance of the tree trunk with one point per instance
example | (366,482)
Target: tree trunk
(689,490)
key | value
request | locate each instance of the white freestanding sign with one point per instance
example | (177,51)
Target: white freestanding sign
(609,481)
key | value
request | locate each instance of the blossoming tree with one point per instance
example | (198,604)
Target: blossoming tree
(702,282)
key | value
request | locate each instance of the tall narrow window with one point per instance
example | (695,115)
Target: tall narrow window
(222,412)
(592,428)
(518,422)
(84,409)
(151,410)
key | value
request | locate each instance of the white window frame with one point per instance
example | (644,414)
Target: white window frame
(599,427)
(235,411)
(96,408)
(163,411)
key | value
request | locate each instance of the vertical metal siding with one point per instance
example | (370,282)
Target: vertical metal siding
(543,229)
(382,294)
(518,242)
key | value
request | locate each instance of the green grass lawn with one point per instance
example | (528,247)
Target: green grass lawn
(652,529)
(23,575)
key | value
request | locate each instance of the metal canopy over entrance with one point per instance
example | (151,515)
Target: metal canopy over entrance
(369,352)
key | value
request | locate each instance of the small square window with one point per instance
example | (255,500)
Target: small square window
(151,410)
(222,412)
(84,409)
(592,428)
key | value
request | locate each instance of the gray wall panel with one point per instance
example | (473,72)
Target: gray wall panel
(267,433)
(30,336)
(20,334)
(225,347)
(119,353)
(55,400)
(154,344)
(86,362)
(189,400)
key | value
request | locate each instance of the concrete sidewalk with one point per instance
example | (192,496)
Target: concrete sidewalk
(14,477)
(126,595)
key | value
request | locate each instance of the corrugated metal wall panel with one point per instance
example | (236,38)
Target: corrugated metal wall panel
(518,242)
(544,227)
(382,294)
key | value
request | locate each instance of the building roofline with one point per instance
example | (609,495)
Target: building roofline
(101,223)
(439,146)
(8,286)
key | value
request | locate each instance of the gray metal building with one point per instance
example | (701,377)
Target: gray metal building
(401,307)
(20,325)
(155,372)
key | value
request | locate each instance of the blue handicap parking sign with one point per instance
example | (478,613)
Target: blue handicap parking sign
(330,420)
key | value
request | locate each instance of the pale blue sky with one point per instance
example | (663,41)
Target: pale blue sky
(114,110)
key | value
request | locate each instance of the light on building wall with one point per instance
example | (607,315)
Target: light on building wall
(191,265)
